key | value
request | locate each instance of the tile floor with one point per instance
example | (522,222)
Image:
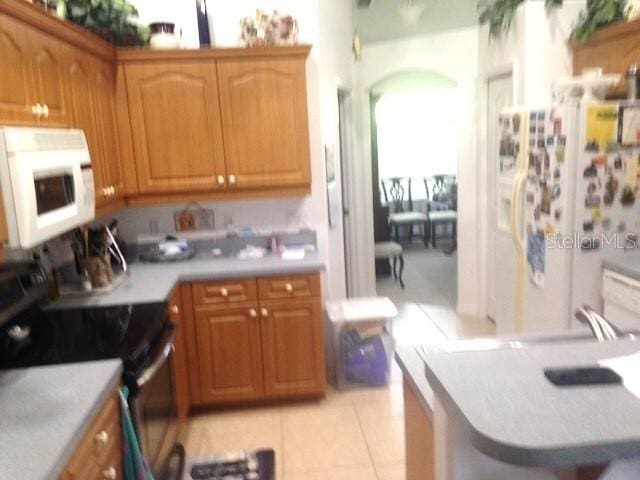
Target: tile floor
(349,435)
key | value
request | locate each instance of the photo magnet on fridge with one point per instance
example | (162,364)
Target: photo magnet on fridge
(602,127)
(629,128)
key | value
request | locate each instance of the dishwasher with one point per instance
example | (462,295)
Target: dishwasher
(621,295)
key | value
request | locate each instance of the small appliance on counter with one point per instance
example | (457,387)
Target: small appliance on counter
(142,336)
(170,250)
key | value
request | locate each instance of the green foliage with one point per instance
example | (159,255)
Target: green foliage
(598,13)
(108,18)
(499,14)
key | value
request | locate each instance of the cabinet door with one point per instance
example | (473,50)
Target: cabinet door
(264,113)
(293,348)
(104,104)
(16,87)
(179,358)
(49,57)
(175,119)
(80,75)
(229,353)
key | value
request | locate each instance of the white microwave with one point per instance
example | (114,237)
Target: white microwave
(47,183)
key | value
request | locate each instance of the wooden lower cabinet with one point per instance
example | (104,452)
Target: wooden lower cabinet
(229,353)
(179,357)
(419,438)
(99,454)
(257,349)
(292,348)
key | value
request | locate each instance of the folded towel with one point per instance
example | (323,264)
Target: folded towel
(134,465)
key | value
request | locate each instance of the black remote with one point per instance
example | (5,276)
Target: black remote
(576,376)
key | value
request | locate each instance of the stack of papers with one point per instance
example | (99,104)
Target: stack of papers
(628,368)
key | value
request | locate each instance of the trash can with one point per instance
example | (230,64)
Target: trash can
(362,340)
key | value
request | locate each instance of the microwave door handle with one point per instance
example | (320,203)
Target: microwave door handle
(151,370)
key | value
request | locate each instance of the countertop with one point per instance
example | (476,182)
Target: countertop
(412,366)
(515,415)
(45,414)
(627,264)
(153,282)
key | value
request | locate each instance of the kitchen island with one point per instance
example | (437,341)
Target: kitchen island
(46,412)
(493,414)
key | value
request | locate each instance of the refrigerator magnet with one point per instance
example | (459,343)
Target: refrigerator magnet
(628,196)
(617,162)
(590,243)
(622,226)
(587,226)
(629,128)
(557,214)
(606,223)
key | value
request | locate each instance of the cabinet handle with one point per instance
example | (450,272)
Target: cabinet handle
(288,287)
(45,111)
(232,179)
(253,313)
(112,191)
(220,179)
(109,474)
(102,437)
(224,292)
(36,110)
(264,312)
(174,309)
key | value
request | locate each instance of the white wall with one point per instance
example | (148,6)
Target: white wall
(327,25)
(536,51)
(454,54)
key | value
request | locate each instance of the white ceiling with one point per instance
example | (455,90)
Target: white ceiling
(382,21)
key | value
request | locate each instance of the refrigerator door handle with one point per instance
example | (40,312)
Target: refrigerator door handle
(516,211)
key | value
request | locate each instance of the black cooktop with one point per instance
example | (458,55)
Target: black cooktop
(128,332)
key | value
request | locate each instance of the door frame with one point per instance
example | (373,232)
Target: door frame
(345,140)
(483,225)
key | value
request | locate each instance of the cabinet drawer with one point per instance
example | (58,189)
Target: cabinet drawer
(225,291)
(101,446)
(298,286)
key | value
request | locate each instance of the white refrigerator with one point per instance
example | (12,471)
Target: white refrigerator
(573,175)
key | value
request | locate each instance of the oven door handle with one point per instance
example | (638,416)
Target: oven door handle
(151,370)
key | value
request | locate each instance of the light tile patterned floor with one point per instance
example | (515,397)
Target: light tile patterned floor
(352,435)
(349,435)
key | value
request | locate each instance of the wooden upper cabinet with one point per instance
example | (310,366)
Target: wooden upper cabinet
(264,113)
(105,111)
(229,353)
(49,59)
(90,92)
(80,82)
(177,135)
(292,348)
(16,92)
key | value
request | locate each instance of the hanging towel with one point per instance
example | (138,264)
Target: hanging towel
(134,465)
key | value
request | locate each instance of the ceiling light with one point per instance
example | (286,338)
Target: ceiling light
(411,11)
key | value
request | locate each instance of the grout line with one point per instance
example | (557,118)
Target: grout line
(366,443)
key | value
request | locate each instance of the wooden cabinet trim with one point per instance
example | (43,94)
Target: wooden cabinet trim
(180,364)
(64,30)
(137,54)
(193,364)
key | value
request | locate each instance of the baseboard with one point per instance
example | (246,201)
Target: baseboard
(467,310)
